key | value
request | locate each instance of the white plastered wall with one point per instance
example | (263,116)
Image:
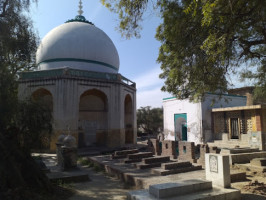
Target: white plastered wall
(193,111)
(199,121)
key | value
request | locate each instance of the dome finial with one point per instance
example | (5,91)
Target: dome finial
(80,12)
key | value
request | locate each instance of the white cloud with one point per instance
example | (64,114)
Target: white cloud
(153,97)
(149,89)
(149,79)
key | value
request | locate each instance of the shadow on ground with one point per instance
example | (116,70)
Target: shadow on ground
(252,197)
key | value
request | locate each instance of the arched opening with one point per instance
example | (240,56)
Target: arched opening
(93,117)
(128,117)
(44,98)
(180,127)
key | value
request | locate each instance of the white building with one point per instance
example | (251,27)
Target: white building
(78,79)
(188,121)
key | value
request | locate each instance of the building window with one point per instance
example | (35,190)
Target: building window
(234,128)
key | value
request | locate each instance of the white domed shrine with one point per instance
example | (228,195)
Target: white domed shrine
(78,80)
(78,45)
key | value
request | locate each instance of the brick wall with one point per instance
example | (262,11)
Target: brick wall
(204,148)
(153,146)
(186,151)
(169,148)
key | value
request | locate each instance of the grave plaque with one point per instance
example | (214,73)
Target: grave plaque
(217,169)
(213,163)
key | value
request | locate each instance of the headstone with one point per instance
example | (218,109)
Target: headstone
(160,137)
(186,151)
(204,148)
(59,144)
(153,146)
(67,153)
(169,148)
(217,169)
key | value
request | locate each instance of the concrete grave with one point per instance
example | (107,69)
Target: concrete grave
(153,146)
(214,149)
(124,153)
(185,190)
(186,151)
(217,170)
(169,148)
(204,148)
(153,162)
(137,157)
(175,168)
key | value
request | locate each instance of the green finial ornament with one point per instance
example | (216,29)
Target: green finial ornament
(80,17)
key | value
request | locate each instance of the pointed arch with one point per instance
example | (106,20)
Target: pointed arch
(44,97)
(93,116)
(128,119)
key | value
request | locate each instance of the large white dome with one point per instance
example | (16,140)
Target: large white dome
(78,45)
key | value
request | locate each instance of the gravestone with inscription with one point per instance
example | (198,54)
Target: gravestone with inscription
(217,169)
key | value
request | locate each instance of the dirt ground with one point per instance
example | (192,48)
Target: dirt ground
(104,187)
(101,186)
(254,188)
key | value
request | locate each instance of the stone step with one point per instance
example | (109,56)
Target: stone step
(139,155)
(163,172)
(175,165)
(159,159)
(132,160)
(237,176)
(147,166)
(210,194)
(166,190)
(126,152)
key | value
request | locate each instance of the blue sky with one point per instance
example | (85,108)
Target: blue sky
(137,56)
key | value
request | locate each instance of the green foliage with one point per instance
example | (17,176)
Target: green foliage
(21,123)
(29,121)
(150,120)
(84,162)
(204,42)
(130,14)
(18,41)
(34,124)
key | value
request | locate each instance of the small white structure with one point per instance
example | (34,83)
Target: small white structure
(217,170)
(79,81)
(188,121)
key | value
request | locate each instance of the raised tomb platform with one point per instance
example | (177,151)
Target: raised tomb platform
(185,190)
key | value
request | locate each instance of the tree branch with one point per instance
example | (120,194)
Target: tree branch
(4,8)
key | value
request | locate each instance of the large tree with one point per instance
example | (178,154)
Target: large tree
(203,42)
(150,119)
(21,123)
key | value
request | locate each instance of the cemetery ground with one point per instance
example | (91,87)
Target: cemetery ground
(103,185)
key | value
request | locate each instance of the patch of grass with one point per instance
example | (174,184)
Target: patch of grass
(63,184)
(83,161)
(97,168)
(91,164)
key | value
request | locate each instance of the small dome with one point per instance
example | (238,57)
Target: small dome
(61,138)
(69,141)
(78,44)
